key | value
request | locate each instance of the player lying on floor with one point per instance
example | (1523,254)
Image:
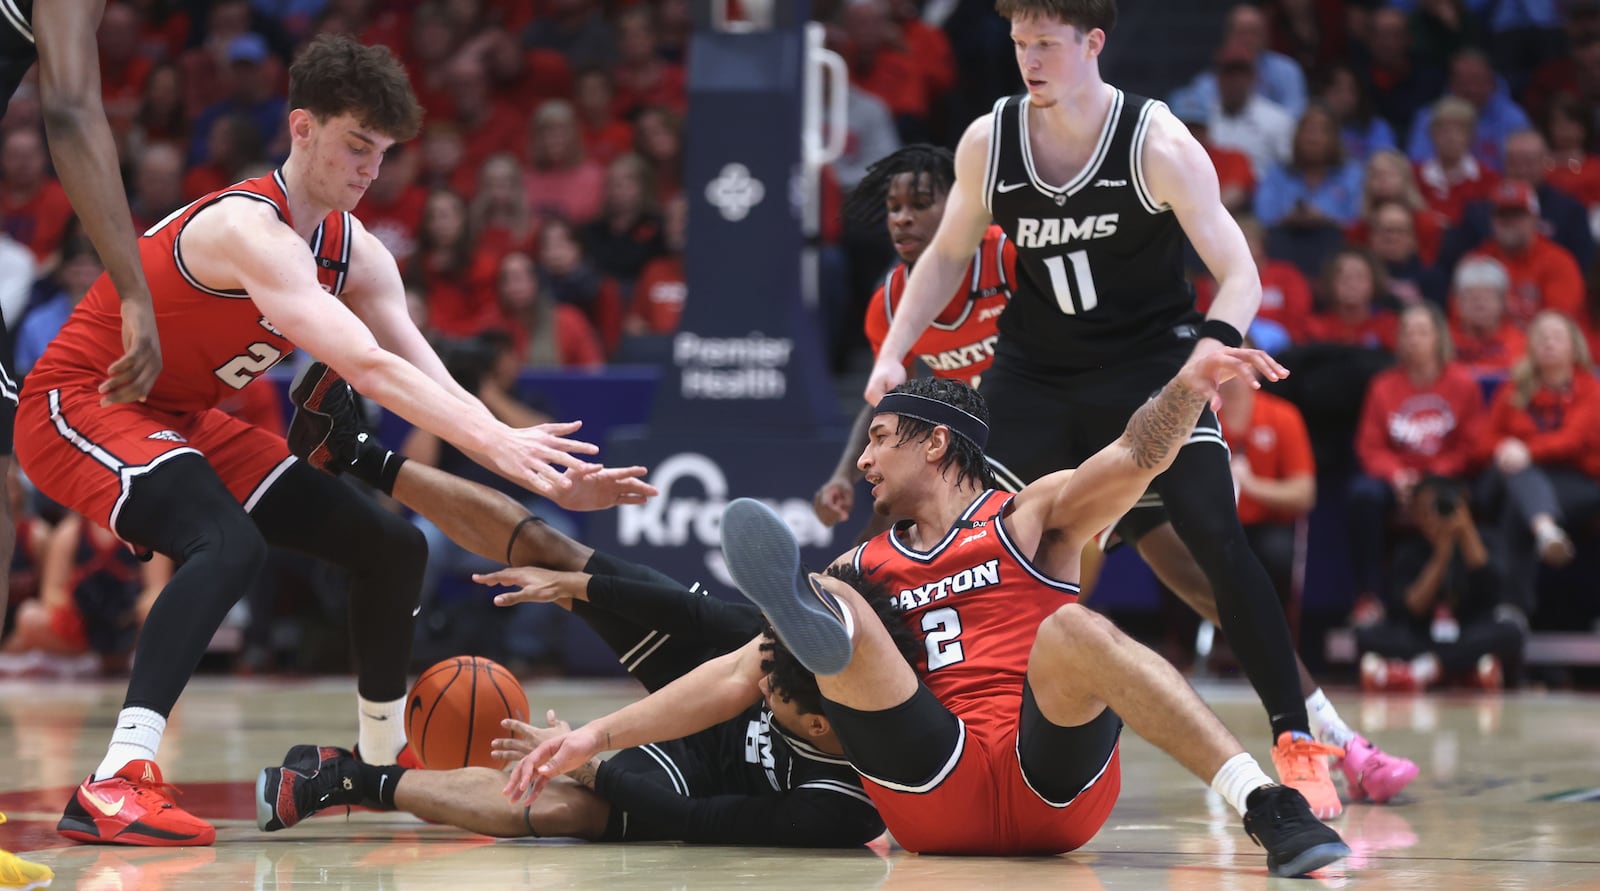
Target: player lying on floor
(1007,742)
(772,775)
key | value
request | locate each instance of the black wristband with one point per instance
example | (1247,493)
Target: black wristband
(1221,331)
(391,472)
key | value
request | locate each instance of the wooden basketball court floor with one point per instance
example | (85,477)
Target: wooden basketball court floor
(1500,803)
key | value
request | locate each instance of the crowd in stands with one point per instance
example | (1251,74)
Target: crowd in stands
(1417,181)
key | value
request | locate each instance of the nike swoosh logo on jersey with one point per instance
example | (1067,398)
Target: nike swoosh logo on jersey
(101,804)
(1008,187)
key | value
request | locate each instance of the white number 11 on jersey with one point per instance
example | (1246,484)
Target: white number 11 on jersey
(1087,299)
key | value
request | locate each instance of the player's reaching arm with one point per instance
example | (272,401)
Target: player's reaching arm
(1180,174)
(85,157)
(237,243)
(837,497)
(1060,512)
(939,270)
(715,692)
(377,296)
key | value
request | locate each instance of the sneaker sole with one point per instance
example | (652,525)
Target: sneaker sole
(264,811)
(133,838)
(764,560)
(1312,858)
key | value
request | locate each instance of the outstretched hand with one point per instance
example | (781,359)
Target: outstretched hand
(1205,372)
(562,752)
(529,456)
(535,584)
(526,737)
(597,488)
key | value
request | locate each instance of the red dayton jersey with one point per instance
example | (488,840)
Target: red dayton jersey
(977,602)
(959,345)
(213,342)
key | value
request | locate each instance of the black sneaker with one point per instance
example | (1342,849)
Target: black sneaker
(764,560)
(1278,819)
(326,428)
(286,795)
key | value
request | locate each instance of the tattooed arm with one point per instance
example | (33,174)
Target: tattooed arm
(1060,512)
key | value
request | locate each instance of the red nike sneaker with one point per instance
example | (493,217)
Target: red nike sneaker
(133,807)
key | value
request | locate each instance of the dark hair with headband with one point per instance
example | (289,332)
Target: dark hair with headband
(927,402)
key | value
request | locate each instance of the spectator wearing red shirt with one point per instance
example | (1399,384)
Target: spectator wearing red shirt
(500,216)
(1543,439)
(123,69)
(643,78)
(489,126)
(874,48)
(1453,177)
(1235,177)
(433,42)
(392,208)
(562,181)
(1421,418)
(544,333)
(455,278)
(232,145)
(1570,129)
(32,203)
(442,148)
(1273,473)
(1390,177)
(927,45)
(1543,275)
(605,135)
(522,78)
(660,292)
(1486,342)
(1353,285)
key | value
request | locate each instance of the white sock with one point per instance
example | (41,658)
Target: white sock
(383,729)
(1326,725)
(138,736)
(1238,777)
(1425,669)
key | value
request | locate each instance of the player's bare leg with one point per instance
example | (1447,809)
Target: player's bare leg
(471,799)
(1370,772)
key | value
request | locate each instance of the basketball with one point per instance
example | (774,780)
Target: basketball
(455,710)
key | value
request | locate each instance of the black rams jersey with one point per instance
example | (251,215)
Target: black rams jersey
(17,54)
(1099,264)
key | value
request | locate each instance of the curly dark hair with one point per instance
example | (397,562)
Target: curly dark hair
(792,682)
(865,202)
(963,454)
(335,75)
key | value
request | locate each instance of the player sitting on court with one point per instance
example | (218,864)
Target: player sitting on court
(772,775)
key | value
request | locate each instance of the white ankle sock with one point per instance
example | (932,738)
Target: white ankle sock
(1326,725)
(1237,778)
(1425,669)
(383,729)
(138,735)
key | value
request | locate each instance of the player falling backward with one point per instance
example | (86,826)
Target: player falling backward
(910,189)
(240,278)
(774,775)
(1098,189)
(1007,742)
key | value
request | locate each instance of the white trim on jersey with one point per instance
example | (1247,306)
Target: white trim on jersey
(1086,787)
(668,766)
(1027,564)
(1087,174)
(956,528)
(631,666)
(855,556)
(9,390)
(638,646)
(128,474)
(992,162)
(803,749)
(266,483)
(15,18)
(82,443)
(1136,159)
(1000,262)
(933,783)
(344,257)
(177,254)
(837,786)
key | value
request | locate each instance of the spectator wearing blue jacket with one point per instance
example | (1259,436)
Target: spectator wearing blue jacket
(1318,186)
(1472,79)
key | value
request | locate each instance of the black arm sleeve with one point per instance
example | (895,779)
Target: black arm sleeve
(716,623)
(811,818)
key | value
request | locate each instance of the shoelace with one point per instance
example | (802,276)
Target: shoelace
(166,790)
(1300,753)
